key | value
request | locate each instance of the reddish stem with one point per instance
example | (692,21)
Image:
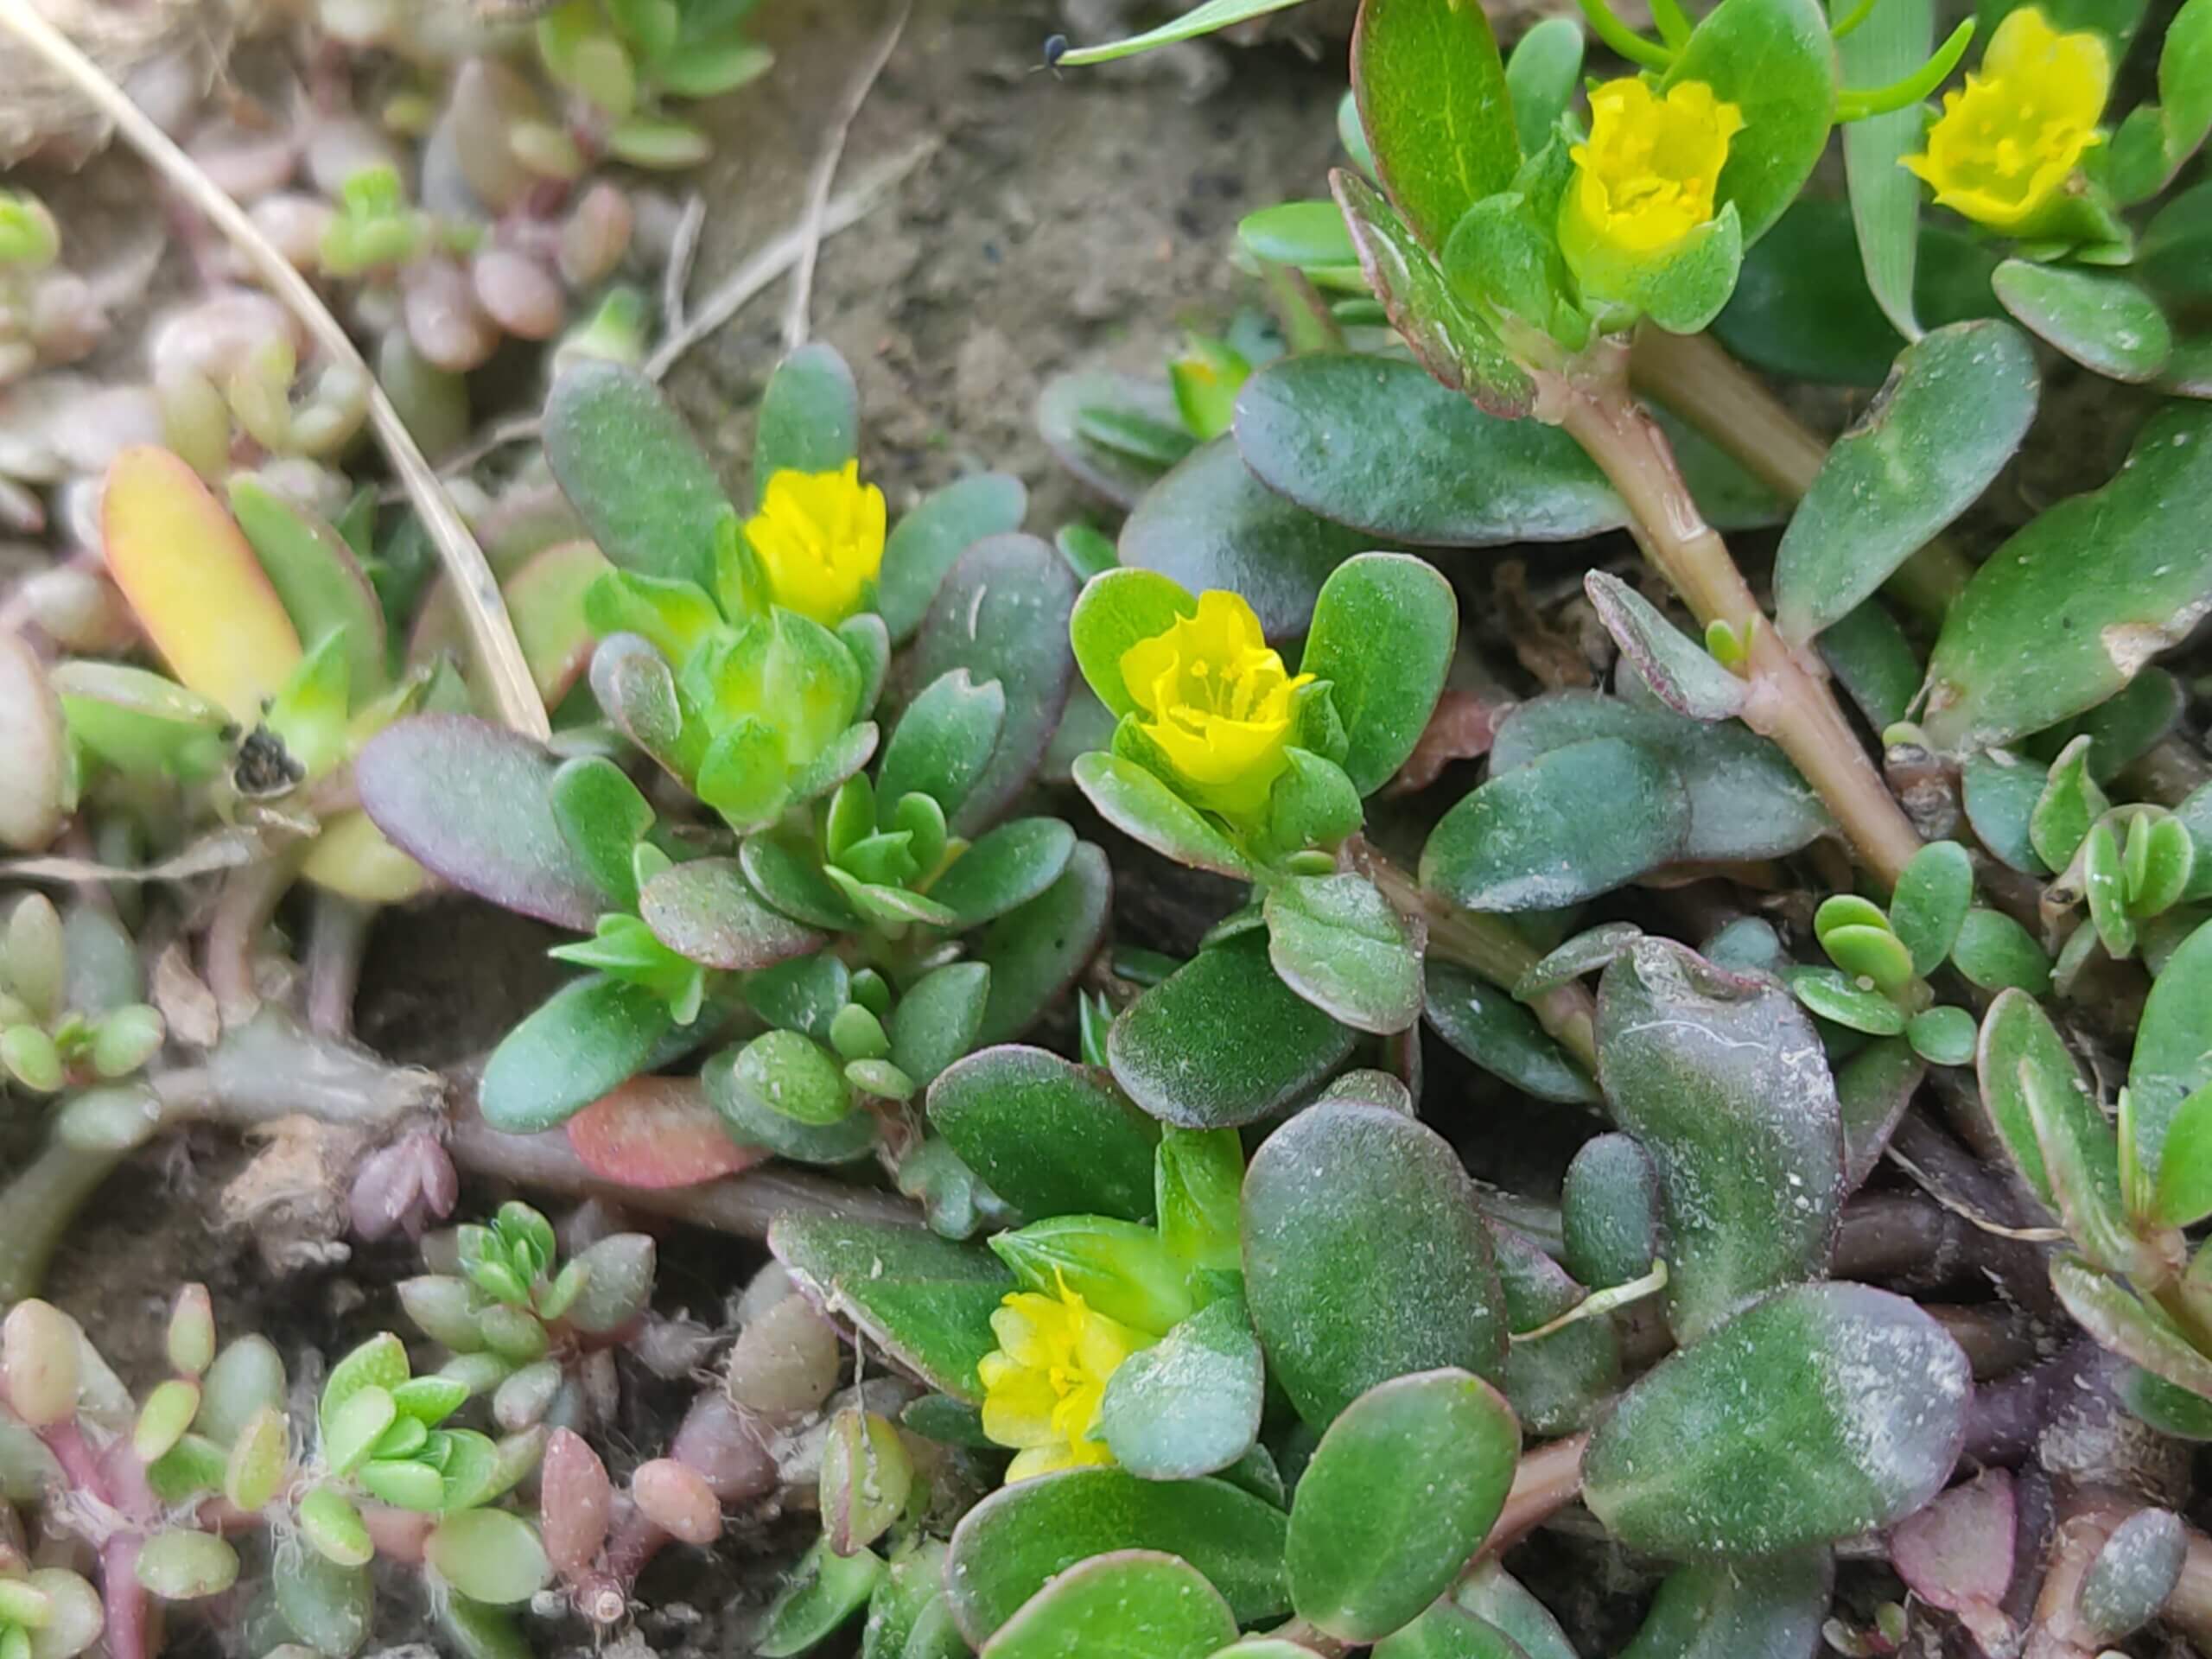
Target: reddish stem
(128,1627)
(1548,1479)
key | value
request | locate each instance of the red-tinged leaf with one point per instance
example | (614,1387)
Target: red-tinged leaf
(658,1132)
(1960,1548)
(1957,1553)
(575,1502)
(1460,728)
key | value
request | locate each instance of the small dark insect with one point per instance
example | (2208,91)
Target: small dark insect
(1055,48)
(264,766)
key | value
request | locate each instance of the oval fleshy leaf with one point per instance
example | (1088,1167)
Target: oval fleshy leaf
(316,577)
(634,472)
(1144,808)
(1681,673)
(1004,869)
(1873,1088)
(1335,940)
(1132,1600)
(2098,318)
(1746,800)
(2068,611)
(1383,699)
(924,1301)
(1891,43)
(1956,410)
(706,911)
(1730,1609)
(1400,1493)
(1019,1539)
(1448,336)
(1501,1036)
(1002,614)
(1433,103)
(925,545)
(1036,950)
(1574,822)
(942,741)
(582,1042)
(2016,1033)
(1933,893)
(655,1133)
(810,416)
(1775,61)
(1376,444)
(1050,1138)
(1723,1081)
(1222,1041)
(935,1022)
(1382,1269)
(489,1555)
(472,803)
(2134,1329)
(1860,1402)
(1190,1404)
(1957,1553)
(2173,1046)
(194,583)
(1559,1381)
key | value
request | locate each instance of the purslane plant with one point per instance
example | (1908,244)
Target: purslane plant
(156,1487)
(1247,1361)
(844,898)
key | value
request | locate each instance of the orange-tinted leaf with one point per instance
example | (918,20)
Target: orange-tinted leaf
(657,1132)
(194,584)
(546,598)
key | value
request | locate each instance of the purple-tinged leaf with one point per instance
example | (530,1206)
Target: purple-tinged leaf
(472,803)
(706,911)
(1002,614)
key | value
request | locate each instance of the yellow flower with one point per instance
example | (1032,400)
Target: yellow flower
(1645,180)
(2003,149)
(819,537)
(1216,701)
(1043,1388)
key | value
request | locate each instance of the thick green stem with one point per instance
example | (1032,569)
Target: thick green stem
(1491,946)
(37,1207)
(1693,376)
(1788,702)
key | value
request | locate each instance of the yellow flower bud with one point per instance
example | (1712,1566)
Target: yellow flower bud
(1043,1388)
(1214,699)
(2003,149)
(819,538)
(1645,180)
